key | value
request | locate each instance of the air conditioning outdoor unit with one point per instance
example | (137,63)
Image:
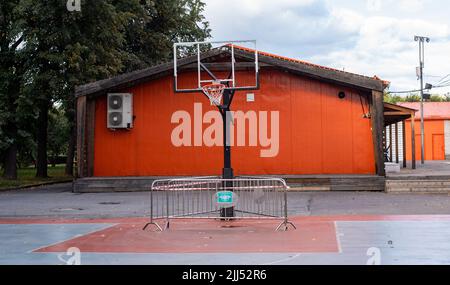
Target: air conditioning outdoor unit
(120,111)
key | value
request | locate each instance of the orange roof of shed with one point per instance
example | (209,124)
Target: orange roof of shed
(432,110)
(385,82)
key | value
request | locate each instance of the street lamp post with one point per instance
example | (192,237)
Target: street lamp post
(422,41)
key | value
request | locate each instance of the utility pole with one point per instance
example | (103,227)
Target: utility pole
(422,41)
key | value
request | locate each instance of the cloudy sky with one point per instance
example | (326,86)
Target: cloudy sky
(370,37)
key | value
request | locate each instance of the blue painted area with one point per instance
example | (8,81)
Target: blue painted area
(399,242)
(18,241)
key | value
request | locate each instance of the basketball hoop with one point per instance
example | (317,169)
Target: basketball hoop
(214,92)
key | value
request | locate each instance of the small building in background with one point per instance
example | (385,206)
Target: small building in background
(437,130)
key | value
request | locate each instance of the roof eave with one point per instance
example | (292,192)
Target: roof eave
(131,79)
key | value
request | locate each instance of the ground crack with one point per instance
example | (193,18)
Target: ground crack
(309,205)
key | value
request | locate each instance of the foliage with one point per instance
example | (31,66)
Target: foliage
(58,132)
(152,30)
(414,97)
(45,51)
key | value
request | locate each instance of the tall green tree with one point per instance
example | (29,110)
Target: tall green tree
(149,29)
(59,50)
(151,33)
(66,49)
(11,76)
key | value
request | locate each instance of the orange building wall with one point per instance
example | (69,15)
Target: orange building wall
(434,140)
(319,133)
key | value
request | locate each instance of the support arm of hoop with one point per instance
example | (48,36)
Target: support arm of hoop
(208,71)
(232,93)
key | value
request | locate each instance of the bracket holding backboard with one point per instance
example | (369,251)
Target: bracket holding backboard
(222,70)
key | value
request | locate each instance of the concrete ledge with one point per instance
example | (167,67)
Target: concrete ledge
(392,167)
(433,185)
(297,183)
(309,189)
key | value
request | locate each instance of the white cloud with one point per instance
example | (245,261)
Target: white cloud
(385,47)
(374,5)
(411,5)
(377,38)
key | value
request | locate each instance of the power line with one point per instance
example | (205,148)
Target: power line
(444,84)
(442,79)
(402,92)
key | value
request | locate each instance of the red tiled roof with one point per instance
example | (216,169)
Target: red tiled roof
(432,110)
(386,83)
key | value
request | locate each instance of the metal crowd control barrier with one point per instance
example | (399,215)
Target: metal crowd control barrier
(210,198)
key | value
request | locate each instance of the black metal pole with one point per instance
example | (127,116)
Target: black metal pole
(227,171)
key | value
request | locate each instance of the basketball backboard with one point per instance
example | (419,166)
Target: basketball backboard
(231,63)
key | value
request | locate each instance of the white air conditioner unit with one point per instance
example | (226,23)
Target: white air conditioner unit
(120,111)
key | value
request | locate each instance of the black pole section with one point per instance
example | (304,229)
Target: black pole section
(227,172)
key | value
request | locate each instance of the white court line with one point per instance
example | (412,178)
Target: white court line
(283,260)
(338,235)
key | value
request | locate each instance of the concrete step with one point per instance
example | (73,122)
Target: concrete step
(421,190)
(419,183)
(418,186)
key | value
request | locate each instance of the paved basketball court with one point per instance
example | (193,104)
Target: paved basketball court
(318,240)
(39,226)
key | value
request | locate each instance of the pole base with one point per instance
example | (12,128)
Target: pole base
(227,173)
(227,213)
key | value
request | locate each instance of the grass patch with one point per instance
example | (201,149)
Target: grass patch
(27,177)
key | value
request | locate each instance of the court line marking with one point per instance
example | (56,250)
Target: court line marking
(338,237)
(71,238)
(284,259)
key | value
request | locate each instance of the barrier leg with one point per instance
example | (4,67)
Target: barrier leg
(285,224)
(153,223)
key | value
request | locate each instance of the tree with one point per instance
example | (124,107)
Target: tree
(66,49)
(151,32)
(11,71)
(149,29)
(413,97)
(58,133)
(59,50)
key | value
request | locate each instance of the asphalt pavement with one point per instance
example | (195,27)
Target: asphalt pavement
(59,201)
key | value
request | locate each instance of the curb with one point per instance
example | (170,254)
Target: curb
(28,186)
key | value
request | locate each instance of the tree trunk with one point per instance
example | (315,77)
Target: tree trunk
(71,151)
(10,158)
(11,162)
(42,121)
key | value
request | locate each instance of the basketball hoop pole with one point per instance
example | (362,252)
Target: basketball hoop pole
(217,89)
(227,171)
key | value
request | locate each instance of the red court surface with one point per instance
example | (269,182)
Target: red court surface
(313,234)
(420,239)
(207,236)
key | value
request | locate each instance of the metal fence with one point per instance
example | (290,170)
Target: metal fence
(217,198)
